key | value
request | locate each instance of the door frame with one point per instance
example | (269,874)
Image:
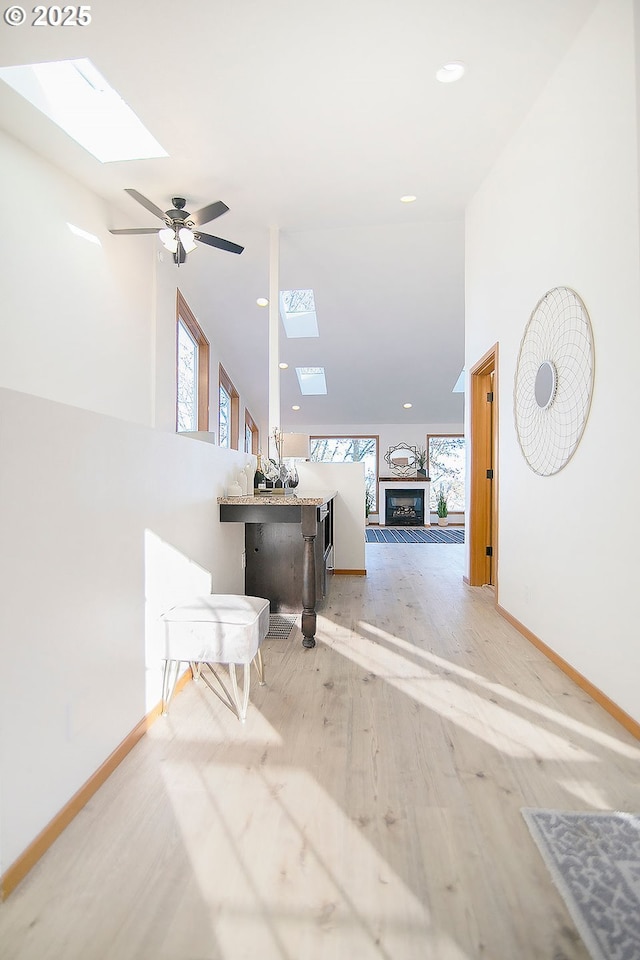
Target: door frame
(483,455)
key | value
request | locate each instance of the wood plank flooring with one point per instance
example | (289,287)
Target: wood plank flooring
(369,809)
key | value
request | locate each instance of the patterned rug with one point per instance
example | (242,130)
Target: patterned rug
(594,860)
(280,626)
(414,535)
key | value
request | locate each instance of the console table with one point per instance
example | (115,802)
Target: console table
(288,546)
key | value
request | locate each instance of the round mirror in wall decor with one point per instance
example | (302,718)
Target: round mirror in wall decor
(402,459)
(554,381)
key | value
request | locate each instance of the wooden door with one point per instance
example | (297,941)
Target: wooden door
(483,500)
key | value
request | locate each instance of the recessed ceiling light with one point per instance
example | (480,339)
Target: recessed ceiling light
(283,366)
(409,198)
(262,302)
(450,72)
(295,407)
(407,406)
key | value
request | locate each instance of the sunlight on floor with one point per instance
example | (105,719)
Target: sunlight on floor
(587,792)
(318,888)
(494,725)
(217,725)
(508,693)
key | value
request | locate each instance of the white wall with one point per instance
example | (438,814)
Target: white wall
(77,316)
(167,278)
(348,519)
(105,521)
(95,324)
(104,524)
(561,208)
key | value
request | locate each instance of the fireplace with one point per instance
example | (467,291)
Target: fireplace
(404,508)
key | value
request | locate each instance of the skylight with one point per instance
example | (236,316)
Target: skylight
(78,99)
(312,380)
(298,312)
(458,387)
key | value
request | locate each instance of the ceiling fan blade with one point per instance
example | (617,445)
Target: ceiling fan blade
(137,230)
(150,206)
(218,242)
(208,213)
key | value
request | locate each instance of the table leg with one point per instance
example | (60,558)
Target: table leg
(309,530)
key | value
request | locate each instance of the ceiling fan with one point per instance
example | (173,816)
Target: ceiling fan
(178,235)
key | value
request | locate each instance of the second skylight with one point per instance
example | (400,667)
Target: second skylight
(298,312)
(312,380)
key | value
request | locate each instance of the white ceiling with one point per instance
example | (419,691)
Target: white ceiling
(316,118)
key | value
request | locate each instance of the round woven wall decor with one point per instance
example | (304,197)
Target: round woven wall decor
(554,381)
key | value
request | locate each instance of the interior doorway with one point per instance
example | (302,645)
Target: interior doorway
(482,523)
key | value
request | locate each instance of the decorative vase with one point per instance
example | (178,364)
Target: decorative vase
(234,489)
(242,480)
(250,472)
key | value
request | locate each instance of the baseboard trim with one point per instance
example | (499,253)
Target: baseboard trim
(29,857)
(601,698)
(350,573)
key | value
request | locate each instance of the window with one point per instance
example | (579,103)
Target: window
(251,434)
(192,371)
(228,411)
(446,468)
(351,450)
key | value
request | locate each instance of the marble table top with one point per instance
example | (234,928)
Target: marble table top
(282,500)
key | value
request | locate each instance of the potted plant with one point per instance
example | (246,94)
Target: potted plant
(441,508)
(421,460)
(368,502)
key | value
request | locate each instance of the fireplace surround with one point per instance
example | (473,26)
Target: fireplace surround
(404,483)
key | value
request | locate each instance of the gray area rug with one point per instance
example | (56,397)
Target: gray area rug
(280,626)
(413,535)
(594,859)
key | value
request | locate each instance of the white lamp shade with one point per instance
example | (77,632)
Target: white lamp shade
(186,239)
(295,446)
(168,239)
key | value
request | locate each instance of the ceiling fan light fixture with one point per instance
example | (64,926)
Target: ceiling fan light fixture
(187,239)
(178,238)
(168,239)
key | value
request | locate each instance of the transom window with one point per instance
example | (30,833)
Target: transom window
(251,434)
(192,371)
(228,411)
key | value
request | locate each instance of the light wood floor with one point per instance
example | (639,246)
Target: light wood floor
(368,810)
